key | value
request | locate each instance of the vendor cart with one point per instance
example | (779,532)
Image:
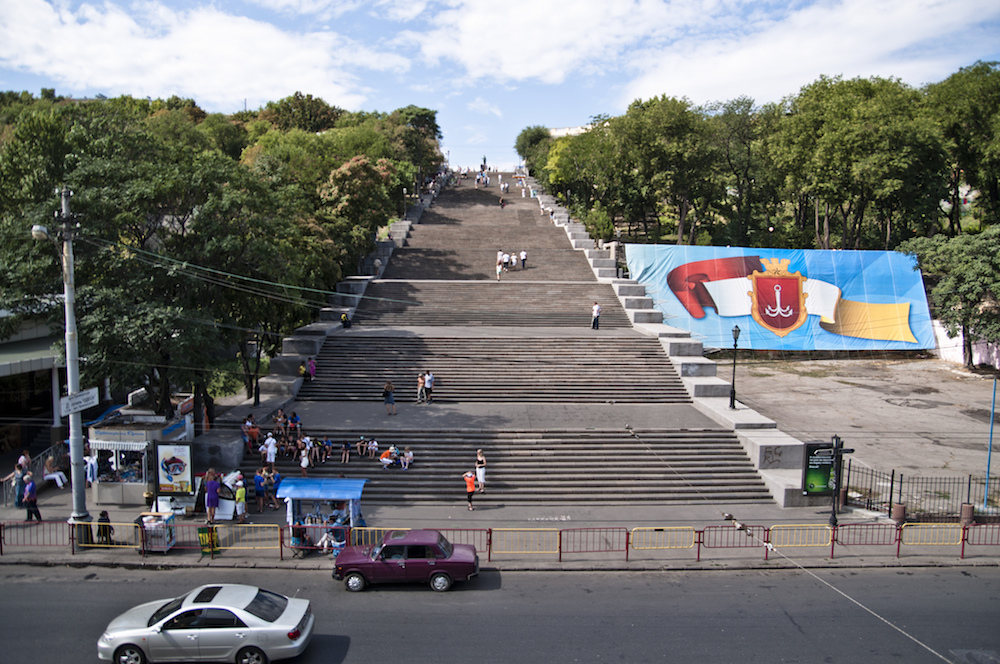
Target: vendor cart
(156,531)
(317,499)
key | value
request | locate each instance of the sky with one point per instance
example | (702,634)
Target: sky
(488,68)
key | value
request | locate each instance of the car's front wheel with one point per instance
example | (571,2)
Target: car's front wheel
(251,656)
(440,582)
(130,654)
(354,582)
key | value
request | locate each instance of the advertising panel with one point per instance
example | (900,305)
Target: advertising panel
(818,477)
(173,468)
(787,299)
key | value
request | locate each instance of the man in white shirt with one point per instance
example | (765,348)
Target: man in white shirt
(429,386)
(596,313)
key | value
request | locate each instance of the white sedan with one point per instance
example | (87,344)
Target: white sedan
(216,623)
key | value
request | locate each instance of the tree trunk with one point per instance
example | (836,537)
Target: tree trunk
(967,348)
(681,218)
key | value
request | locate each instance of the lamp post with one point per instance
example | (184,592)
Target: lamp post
(77,471)
(732,387)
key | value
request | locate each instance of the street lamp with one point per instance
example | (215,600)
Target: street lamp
(732,387)
(77,470)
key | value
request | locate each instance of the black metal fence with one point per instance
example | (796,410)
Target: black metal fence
(924,497)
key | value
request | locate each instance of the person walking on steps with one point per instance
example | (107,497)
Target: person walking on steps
(389,398)
(596,313)
(481,471)
(470,487)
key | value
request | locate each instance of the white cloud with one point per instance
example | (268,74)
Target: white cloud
(546,39)
(480,105)
(216,58)
(777,55)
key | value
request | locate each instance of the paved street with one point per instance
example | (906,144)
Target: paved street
(916,616)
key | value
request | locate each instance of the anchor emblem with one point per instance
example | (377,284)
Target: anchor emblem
(777,309)
(778,300)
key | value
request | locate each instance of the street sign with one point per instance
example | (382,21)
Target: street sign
(75,403)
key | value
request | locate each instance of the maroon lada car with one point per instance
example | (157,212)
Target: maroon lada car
(421,556)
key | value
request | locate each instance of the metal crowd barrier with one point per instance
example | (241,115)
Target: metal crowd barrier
(593,540)
(212,540)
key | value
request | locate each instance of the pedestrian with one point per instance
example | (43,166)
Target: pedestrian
(378,267)
(372,448)
(502,203)
(345,322)
(303,459)
(303,370)
(345,452)
(24,460)
(269,489)
(389,398)
(211,495)
(105,531)
(18,477)
(311,368)
(429,386)
(596,313)
(258,489)
(250,432)
(481,471)
(241,502)
(499,269)
(406,459)
(270,450)
(470,486)
(421,392)
(30,499)
(362,447)
(506,261)
(524,258)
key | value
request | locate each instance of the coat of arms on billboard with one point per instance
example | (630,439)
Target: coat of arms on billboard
(778,302)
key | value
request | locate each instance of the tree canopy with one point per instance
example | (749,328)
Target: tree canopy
(200,235)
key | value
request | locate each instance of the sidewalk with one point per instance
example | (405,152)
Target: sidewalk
(538,522)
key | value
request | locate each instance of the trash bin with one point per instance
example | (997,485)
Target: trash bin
(208,539)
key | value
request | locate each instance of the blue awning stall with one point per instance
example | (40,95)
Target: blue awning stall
(316,499)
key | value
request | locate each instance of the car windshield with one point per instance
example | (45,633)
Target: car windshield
(267,605)
(445,545)
(165,610)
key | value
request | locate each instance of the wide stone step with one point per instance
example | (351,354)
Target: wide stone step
(572,369)
(552,467)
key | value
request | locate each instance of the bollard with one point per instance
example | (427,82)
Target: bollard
(968,516)
(899,513)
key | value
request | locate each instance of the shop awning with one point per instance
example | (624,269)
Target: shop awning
(303,488)
(119,445)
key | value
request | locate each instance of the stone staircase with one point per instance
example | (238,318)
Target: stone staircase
(503,304)
(553,467)
(630,369)
(439,307)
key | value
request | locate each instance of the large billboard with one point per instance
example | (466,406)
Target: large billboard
(787,299)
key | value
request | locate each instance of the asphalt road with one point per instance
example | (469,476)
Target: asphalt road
(922,615)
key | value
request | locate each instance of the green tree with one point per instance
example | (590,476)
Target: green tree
(301,111)
(966,107)
(966,295)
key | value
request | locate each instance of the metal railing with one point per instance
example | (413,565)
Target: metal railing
(212,540)
(36,467)
(925,497)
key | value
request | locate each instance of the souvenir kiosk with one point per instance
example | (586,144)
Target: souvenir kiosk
(310,500)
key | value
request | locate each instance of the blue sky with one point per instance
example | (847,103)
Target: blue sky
(489,68)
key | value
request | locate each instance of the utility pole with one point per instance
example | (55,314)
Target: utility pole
(78,473)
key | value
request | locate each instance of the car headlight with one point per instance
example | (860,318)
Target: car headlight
(106,638)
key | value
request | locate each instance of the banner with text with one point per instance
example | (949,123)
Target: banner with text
(787,299)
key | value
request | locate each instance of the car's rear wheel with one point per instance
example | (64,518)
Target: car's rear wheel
(130,654)
(440,582)
(251,656)
(354,582)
